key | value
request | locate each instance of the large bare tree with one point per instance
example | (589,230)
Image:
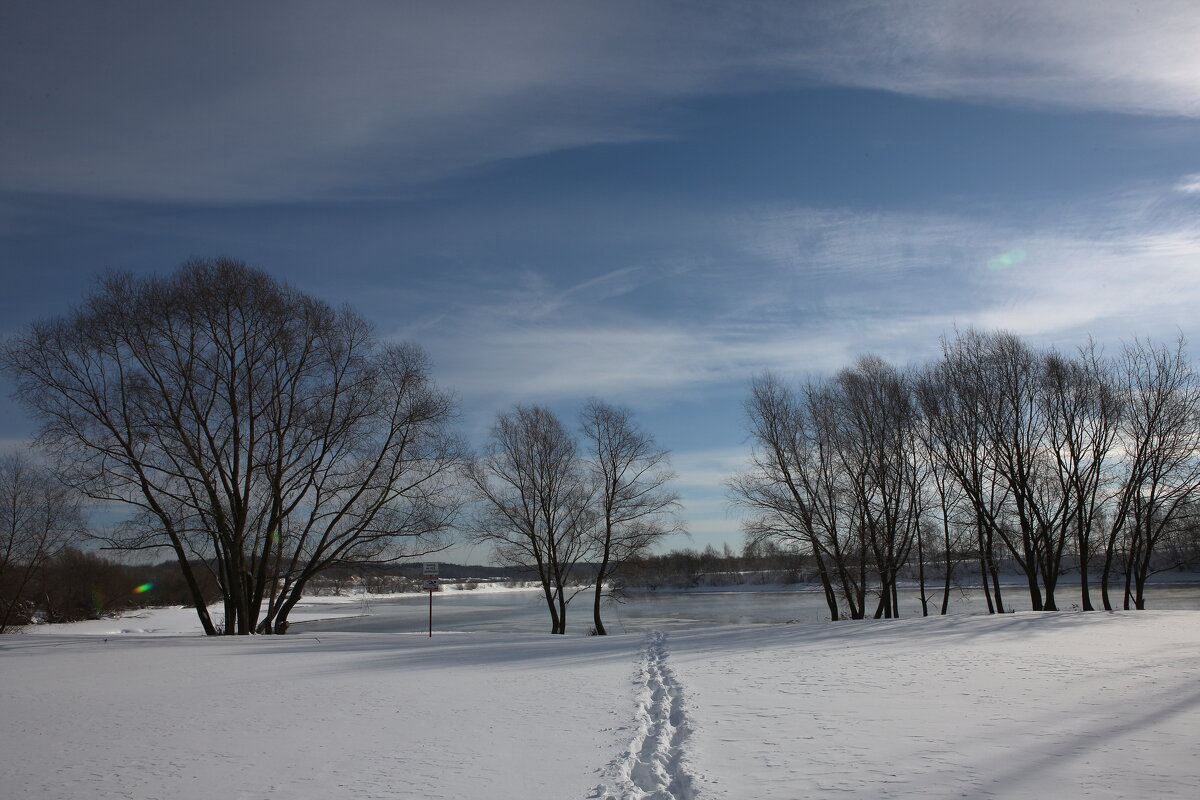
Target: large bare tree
(633,503)
(39,517)
(257,431)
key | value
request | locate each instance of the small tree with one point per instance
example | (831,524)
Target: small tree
(630,473)
(39,518)
(535,501)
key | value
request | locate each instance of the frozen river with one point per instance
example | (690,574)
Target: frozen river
(525,611)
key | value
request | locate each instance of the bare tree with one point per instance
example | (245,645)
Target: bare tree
(793,488)
(39,518)
(881,467)
(838,472)
(949,396)
(1082,413)
(954,514)
(535,501)
(1159,391)
(258,432)
(1038,452)
(630,473)
(1000,386)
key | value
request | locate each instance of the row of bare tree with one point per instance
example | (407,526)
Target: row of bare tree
(1058,461)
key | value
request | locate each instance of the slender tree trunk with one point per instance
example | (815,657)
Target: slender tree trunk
(1049,583)
(995,573)
(1031,577)
(189,578)
(949,565)
(549,595)
(983,581)
(597,623)
(562,609)
(827,586)
(921,573)
(1142,573)
(1083,547)
(1110,555)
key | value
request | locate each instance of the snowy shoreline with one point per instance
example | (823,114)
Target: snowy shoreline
(178,620)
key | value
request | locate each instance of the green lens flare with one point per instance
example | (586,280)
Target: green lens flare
(1006,260)
(145,587)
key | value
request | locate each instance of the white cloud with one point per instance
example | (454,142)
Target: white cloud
(1189,184)
(709,467)
(1112,56)
(1141,283)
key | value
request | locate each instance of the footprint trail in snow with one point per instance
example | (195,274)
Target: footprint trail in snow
(653,767)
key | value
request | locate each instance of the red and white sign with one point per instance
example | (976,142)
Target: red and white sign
(431,585)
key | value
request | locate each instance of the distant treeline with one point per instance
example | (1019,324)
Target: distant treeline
(75,585)
(759,565)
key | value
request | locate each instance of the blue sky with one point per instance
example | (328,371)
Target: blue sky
(644,202)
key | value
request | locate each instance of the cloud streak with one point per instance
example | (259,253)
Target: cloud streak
(816,288)
(272,102)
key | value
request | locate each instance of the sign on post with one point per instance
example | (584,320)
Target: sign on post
(430,583)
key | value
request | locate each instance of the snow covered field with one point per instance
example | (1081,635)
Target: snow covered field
(1028,705)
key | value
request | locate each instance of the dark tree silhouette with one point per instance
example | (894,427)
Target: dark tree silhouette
(257,431)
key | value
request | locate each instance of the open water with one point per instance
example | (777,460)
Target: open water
(525,611)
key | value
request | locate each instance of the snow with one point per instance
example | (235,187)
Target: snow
(1096,705)
(174,621)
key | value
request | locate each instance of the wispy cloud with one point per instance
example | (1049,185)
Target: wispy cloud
(816,288)
(1095,54)
(708,468)
(293,103)
(1189,184)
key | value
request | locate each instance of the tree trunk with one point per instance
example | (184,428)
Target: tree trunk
(921,573)
(596,621)
(554,618)
(983,572)
(827,586)
(562,610)
(949,578)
